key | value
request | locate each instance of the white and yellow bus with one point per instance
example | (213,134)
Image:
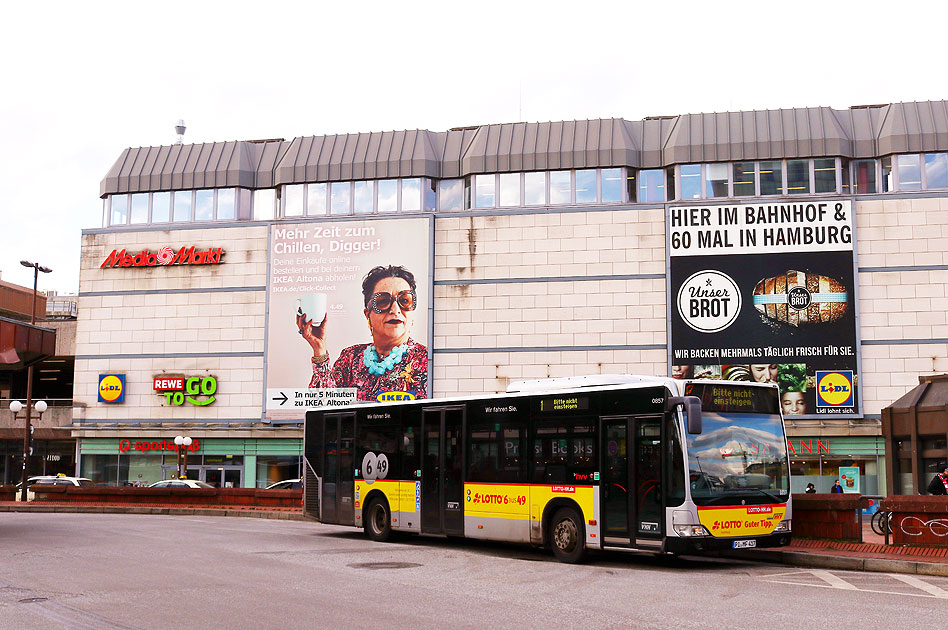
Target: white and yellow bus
(571,464)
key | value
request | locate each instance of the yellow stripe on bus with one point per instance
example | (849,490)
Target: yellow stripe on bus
(488,500)
(513,501)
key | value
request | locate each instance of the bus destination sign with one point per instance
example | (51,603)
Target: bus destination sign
(734,398)
(564,403)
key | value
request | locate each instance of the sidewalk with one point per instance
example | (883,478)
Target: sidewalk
(870,555)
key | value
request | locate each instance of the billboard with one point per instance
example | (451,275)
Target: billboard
(325,346)
(766,292)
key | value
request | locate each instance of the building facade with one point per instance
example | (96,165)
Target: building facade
(538,250)
(49,346)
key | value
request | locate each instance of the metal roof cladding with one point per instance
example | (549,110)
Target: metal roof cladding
(858,132)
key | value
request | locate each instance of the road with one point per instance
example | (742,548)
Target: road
(112,571)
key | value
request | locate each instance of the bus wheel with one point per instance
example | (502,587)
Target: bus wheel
(378,524)
(568,536)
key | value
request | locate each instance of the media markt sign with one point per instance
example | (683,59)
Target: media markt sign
(163,257)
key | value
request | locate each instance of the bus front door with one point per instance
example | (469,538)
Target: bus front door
(442,504)
(630,481)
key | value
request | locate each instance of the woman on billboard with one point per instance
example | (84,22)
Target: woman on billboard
(393,361)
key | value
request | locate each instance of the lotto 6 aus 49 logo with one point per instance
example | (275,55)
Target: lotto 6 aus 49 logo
(709,301)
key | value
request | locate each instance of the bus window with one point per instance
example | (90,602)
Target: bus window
(675,463)
(564,453)
(380,439)
(410,445)
(495,455)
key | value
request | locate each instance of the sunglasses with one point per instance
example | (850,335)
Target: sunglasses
(382,302)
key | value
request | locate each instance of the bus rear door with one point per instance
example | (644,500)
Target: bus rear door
(442,503)
(630,483)
(338,469)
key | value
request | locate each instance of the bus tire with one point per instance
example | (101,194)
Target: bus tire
(377,521)
(568,536)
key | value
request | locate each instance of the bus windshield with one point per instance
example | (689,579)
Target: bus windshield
(739,457)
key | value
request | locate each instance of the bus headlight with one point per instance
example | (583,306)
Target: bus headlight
(691,531)
(782,526)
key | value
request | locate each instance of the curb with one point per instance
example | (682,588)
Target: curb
(847,563)
(168,511)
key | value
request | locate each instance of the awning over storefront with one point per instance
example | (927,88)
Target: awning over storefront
(23,344)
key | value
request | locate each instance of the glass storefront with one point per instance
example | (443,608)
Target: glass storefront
(221,462)
(821,461)
(274,468)
(50,457)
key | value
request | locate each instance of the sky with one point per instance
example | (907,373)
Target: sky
(82,81)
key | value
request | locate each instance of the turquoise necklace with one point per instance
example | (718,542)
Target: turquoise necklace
(370,359)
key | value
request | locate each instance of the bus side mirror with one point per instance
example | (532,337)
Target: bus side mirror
(691,406)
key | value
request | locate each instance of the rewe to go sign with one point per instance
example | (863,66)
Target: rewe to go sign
(178,389)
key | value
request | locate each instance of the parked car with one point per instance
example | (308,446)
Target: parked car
(57,480)
(286,484)
(180,483)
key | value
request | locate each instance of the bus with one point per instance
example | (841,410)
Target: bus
(609,462)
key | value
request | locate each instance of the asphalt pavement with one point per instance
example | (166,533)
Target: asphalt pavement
(134,571)
(872,554)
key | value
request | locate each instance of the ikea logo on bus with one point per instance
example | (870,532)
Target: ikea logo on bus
(111,388)
(395,396)
(834,389)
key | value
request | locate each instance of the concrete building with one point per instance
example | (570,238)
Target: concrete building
(539,249)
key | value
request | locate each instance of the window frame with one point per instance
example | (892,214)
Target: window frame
(546,189)
(460,206)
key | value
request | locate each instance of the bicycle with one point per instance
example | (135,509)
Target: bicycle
(882,522)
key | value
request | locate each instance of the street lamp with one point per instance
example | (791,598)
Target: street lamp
(27,429)
(16,406)
(182,443)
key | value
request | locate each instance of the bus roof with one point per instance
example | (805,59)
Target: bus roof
(632,382)
(579,382)
(596,382)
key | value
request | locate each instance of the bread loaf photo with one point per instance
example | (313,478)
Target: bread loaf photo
(798,298)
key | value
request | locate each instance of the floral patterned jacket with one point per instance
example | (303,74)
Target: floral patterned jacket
(410,375)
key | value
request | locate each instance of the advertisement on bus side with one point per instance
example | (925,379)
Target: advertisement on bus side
(752,520)
(766,292)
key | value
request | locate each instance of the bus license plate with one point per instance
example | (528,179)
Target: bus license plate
(744,544)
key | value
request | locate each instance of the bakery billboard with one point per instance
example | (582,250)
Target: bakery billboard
(766,292)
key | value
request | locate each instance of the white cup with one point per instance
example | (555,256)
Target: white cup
(313,306)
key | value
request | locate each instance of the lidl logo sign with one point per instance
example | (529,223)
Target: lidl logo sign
(834,389)
(111,388)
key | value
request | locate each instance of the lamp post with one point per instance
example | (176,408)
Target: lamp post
(37,268)
(16,406)
(182,442)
